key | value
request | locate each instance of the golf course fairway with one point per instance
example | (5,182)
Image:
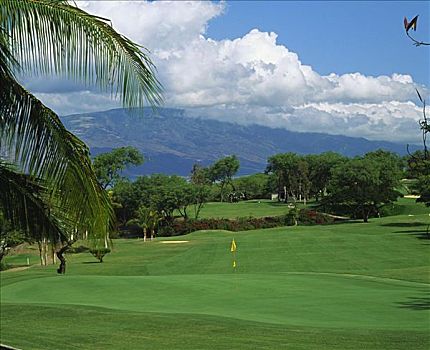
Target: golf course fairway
(343,286)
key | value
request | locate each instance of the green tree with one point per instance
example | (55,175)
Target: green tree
(222,172)
(108,166)
(254,186)
(161,192)
(200,175)
(55,37)
(128,199)
(200,196)
(320,171)
(418,167)
(361,186)
(165,195)
(292,176)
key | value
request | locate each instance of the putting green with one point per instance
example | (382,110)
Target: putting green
(316,300)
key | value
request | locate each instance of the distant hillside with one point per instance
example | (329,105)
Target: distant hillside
(173,142)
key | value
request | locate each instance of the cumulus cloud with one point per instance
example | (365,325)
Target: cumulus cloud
(251,79)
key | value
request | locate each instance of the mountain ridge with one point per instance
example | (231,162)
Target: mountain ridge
(172,141)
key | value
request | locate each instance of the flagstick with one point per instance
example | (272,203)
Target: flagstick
(233,250)
(236,285)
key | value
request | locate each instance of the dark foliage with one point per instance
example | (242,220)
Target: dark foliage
(100,253)
(305,217)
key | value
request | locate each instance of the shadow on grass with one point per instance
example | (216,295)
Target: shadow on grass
(91,262)
(418,234)
(350,221)
(277,204)
(416,303)
(405,224)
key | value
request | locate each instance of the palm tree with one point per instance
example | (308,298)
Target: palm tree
(143,220)
(47,181)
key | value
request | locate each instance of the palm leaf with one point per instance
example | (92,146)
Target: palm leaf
(51,36)
(7,62)
(23,201)
(33,138)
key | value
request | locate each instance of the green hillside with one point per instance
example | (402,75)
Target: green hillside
(343,286)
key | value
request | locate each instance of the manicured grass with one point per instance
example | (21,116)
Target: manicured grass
(254,208)
(264,207)
(409,206)
(344,286)
(78,327)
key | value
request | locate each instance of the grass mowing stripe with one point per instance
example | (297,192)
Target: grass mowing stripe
(305,300)
(115,329)
(347,286)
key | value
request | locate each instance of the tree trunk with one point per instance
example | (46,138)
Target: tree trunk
(54,256)
(144,234)
(365,216)
(62,268)
(41,253)
(106,241)
(45,250)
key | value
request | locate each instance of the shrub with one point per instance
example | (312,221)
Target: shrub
(312,217)
(305,216)
(99,253)
(291,219)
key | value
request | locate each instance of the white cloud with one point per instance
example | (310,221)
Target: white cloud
(78,101)
(390,121)
(251,79)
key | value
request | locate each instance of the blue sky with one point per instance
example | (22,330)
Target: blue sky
(337,67)
(337,36)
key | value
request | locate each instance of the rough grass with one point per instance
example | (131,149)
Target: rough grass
(344,286)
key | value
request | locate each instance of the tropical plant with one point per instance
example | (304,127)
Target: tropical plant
(143,220)
(47,181)
(222,172)
(108,166)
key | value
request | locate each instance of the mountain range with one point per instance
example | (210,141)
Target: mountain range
(172,142)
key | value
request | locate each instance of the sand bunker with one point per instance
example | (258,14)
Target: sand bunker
(173,242)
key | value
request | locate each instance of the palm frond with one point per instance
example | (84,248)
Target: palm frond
(52,36)
(8,63)
(23,200)
(35,141)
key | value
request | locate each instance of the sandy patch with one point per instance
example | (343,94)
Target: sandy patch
(21,268)
(173,242)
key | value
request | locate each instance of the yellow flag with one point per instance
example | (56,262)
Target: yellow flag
(234,263)
(233,246)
